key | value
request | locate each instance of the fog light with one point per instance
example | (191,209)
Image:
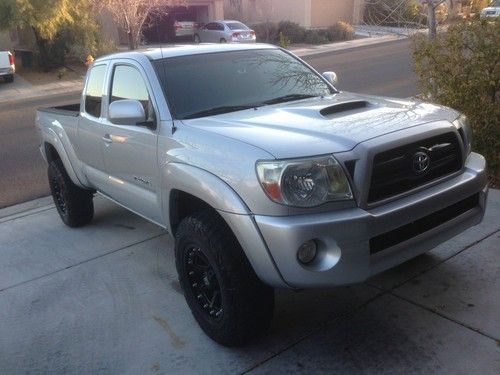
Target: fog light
(307,252)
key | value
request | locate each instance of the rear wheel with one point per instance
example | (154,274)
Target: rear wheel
(9,78)
(225,296)
(74,204)
(222,40)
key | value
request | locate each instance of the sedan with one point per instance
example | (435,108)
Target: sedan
(224,32)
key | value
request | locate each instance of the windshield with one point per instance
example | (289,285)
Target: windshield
(236,26)
(495,3)
(204,84)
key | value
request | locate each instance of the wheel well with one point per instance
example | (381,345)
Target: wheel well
(51,153)
(183,204)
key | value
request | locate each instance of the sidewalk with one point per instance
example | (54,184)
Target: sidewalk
(22,89)
(105,299)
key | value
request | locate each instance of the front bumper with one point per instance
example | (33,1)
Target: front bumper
(349,246)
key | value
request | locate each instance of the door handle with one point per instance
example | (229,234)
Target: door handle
(107,139)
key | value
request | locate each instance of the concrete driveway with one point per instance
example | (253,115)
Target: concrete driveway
(105,299)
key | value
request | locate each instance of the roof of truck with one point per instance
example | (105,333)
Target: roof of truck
(184,50)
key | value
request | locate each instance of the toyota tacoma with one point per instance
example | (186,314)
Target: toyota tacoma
(265,174)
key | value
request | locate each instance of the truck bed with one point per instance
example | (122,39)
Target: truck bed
(66,110)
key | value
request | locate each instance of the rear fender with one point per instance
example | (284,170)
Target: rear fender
(66,152)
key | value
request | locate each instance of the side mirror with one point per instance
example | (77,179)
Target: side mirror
(331,77)
(126,112)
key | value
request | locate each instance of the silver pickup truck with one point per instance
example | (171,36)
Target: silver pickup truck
(266,175)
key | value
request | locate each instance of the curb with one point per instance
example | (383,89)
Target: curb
(341,46)
(26,208)
(39,94)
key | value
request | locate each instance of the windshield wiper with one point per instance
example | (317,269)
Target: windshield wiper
(218,111)
(288,98)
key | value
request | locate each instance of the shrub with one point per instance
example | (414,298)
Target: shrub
(340,31)
(316,37)
(460,69)
(266,32)
(292,31)
(61,72)
(284,42)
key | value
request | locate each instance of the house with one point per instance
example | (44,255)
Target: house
(198,11)
(307,13)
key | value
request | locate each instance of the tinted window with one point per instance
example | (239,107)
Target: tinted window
(94,90)
(236,26)
(129,84)
(201,82)
(211,26)
(219,26)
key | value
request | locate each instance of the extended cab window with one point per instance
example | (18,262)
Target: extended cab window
(94,90)
(129,84)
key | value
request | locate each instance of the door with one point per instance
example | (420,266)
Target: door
(210,33)
(90,127)
(130,151)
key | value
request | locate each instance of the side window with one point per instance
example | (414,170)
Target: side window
(219,26)
(211,26)
(129,84)
(94,90)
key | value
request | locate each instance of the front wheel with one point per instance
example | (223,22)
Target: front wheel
(228,301)
(74,204)
(222,40)
(197,39)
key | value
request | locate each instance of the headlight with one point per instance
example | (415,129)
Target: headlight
(463,123)
(304,182)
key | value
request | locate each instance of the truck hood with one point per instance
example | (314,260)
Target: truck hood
(318,126)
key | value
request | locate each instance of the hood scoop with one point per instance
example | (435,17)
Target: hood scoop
(344,107)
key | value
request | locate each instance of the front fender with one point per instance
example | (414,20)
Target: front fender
(220,196)
(201,184)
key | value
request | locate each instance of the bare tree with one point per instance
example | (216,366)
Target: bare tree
(431,16)
(131,15)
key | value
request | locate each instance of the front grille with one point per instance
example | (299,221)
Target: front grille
(398,170)
(422,225)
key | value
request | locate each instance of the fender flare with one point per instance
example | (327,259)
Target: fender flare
(219,195)
(201,184)
(50,136)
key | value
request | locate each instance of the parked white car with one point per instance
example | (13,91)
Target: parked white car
(7,66)
(225,31)
(493,10)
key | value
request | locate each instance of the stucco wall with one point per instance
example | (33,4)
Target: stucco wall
(327,12)
(276,10)
(308,13)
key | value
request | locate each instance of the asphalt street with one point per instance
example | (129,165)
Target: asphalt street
(23,171)
(383,69)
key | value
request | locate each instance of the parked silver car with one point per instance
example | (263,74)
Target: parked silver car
(225,31)
(493,10)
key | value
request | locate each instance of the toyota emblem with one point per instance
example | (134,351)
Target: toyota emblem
(421,162)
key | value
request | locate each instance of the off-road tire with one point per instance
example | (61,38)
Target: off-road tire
(74,204)
(247,304)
